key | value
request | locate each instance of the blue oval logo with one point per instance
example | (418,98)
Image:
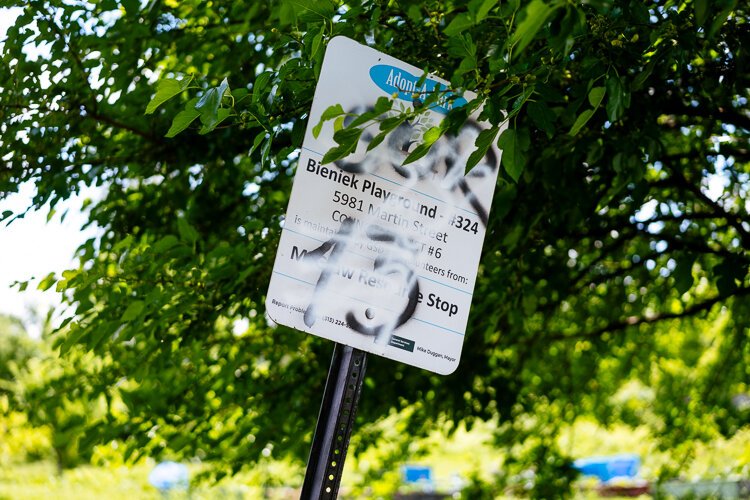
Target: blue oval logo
(396,81)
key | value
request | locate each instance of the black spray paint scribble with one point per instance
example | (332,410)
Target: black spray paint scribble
(445,163)
(446,159)
(395,261)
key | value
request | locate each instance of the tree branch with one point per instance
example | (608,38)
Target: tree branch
(734,220)
(89,114)
(647,320)
(725,115)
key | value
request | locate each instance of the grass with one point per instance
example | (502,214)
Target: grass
(40,480)
(375,473)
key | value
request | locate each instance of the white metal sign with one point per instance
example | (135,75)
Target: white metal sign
(375,254)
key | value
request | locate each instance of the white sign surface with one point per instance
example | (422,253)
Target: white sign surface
(375,254)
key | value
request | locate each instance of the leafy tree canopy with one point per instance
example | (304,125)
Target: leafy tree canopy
(617,249)
(16,348)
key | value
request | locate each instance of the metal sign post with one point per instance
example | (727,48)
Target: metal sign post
(335,421)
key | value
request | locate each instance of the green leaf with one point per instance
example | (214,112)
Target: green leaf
(47,282)
(347,135)
(728,273)
(458,24)
(71,338)
(134,309)
(183,119)
(383,105)
(462,46)
(521,100)
(415,14)
(725,282)
(209,104)
(701,11)
(483,142)
(596,95)
(582,119)
(265,151)
(542,116)
(513,158)
(347,139)
(131,6)
(564,30)
(484,9)
(223,88)
(165,90)
(187,232)
(124,243)
(316,42)
(338,123)
(618,99)
(256,142)
(239,94)
(165,243)
(260,84)
(721,17)
(391,123)
(298,132)
(641,78)
(683,274)
(386,126)
(330,113)
(431,135)
(418,153)
(537,13)
(311,11)
(375,142)
(286,13)
(221,115)
(428,139)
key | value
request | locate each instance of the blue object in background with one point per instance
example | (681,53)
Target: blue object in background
(417,474)
(169,476)
(605,468)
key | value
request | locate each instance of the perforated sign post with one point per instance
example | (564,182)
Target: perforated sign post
(379,256)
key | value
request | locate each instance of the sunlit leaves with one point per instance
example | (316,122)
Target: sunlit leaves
(536,14)
(47,282)
(429,138)
(183,119)
(165,90)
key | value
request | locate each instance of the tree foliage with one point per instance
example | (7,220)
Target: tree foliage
(16,349)
(618,232)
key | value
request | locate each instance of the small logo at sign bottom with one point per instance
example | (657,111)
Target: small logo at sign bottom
(402,343)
